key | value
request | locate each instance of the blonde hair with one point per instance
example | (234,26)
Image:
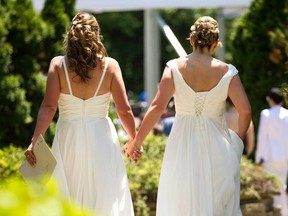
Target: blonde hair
(83,45)
(205,32)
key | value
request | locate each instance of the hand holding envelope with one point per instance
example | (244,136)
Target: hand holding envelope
(45,162)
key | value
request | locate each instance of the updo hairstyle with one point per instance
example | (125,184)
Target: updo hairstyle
(83,45)
(204,33)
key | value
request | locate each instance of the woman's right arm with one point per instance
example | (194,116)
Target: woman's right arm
(123,107)
(47,109)
(158,105)
(250,139)
(240,100)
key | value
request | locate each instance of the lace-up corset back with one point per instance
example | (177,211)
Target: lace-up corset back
(208,103)
(199,103)
(74,108)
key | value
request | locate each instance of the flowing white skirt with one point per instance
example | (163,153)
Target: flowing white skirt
(200,173)
(90,167)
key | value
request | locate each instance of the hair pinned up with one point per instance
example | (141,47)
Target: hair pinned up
(205,32)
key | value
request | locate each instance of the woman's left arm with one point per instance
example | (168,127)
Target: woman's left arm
(47,109)
(240,100)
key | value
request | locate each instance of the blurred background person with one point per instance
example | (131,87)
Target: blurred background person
(272,143)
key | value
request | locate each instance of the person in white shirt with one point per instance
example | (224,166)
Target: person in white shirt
(272,143)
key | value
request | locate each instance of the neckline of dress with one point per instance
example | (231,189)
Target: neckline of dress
(207,91)
(87,99)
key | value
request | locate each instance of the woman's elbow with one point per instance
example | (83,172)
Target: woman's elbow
(124,112)
(157,107)
(246,112)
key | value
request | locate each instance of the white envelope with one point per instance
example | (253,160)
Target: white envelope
(45,162)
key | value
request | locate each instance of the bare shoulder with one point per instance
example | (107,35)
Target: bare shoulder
(181,62)
(220,66)
(56,62)
(113,65)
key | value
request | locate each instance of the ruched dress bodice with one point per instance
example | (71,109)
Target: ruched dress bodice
(72,108)
(201,167)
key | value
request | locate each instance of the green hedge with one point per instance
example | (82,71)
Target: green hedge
(16,198)
(10,160)
(144,176)
(143,179)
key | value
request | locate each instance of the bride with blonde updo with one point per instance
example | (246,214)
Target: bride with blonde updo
(204,33)
(200,174)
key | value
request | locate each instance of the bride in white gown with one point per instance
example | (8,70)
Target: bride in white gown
(90,167)
(200,172)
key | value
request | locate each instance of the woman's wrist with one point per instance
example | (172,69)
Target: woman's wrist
(137,142)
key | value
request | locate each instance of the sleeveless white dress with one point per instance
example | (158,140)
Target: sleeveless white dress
(90,166)
(200,173)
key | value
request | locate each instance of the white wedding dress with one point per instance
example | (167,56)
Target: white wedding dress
(90,167)
(200,173)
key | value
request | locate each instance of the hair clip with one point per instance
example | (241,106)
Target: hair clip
(74,22)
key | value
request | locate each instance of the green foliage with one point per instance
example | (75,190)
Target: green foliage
(144,176)
(57,20)
(284,89)
(124,42)
(27,44)
(26,33)
(259,48)
(124,39)
(16,198)
(10,161)
(180,21)
(6,48)
(22,38)
(255,182)
(69,8)
(15,109)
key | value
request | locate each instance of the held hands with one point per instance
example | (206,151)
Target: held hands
(132,151)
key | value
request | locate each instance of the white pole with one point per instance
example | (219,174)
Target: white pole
(151,54)
(171,37)
(221,19)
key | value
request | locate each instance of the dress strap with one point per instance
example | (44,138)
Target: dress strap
(66,74)
(102,77)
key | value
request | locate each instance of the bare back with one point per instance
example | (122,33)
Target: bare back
(201,73)
(85,90)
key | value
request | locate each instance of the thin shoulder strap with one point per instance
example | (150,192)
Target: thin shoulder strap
(102,77)
(66,74)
